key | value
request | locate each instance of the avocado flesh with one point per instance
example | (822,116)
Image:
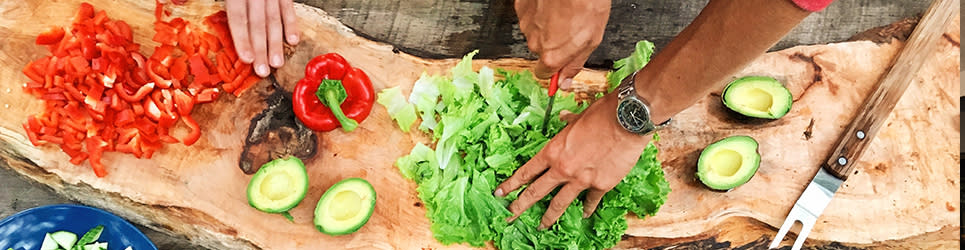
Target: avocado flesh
(278,186)
(345,207)
(758,96)
(728,163)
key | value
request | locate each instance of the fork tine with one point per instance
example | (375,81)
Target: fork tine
(783,231)
(805,230)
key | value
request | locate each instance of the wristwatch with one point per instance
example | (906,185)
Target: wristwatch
(633,112)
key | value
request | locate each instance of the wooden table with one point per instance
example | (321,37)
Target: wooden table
(445,28)
(19,194)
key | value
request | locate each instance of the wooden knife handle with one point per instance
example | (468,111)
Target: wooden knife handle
(875,109)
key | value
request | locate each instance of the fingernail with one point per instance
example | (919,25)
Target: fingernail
(542,227)
(566,83)
(277,61)
(585,215)
(511,218)
(499,192)
(292,39)
(262,70)
(247,57)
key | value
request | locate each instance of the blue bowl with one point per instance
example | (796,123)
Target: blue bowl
(26,229)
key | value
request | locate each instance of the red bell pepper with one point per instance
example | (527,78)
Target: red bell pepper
(332,94)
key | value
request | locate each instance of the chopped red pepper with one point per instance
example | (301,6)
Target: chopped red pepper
(165,34)
(95,148)
(183,102)
(85,12)
(179,69)
(246,83)
(101,94)
(51,36)
(195,133)
(124,118)
(158,11)
(208,95)
(160,81)
(200,72)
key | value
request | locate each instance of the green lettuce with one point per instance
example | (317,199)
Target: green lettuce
(400,110)
(487,124)
(626,66)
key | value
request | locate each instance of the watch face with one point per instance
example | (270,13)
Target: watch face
(632,115)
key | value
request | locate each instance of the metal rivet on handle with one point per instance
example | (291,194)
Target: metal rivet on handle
(842,161)
(860,134)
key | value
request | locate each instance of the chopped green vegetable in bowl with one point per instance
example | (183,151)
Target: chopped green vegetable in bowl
(68,241)
(484,129)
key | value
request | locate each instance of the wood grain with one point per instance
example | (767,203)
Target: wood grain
(879,104)
(903,194)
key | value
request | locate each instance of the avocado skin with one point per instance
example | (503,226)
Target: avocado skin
(331,191)
(280,164)
(746,146)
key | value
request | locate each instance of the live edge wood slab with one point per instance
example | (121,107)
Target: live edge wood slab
(903,195)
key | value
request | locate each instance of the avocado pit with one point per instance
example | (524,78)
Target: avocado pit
(726,162)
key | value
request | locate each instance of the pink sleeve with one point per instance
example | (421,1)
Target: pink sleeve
(812,5)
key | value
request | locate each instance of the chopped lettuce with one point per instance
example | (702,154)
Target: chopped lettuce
(401,111)
(425,97)
(487,124)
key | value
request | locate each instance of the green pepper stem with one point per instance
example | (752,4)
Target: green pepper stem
(331,99)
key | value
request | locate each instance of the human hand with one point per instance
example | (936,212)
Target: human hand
(258,28)
(592,153)
(563,33)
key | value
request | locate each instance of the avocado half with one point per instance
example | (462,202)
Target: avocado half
(728,163)
(345,207)
(757,96)
(278,186)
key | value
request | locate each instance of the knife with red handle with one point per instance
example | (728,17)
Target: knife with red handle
(554,85)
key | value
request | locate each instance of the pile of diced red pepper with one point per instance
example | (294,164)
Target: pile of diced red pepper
(101,94)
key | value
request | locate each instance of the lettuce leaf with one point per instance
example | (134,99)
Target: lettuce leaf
(400,110)
(487,124)
(626,66)
(425,97)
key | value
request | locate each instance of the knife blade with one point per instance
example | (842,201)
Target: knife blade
(869,119)
(554,85)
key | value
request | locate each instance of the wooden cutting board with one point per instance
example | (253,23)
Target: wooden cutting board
(904,194)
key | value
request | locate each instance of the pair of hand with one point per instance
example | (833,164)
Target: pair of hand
(593,153)
(259,28)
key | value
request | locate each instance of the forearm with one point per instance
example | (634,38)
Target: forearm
(722,40)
